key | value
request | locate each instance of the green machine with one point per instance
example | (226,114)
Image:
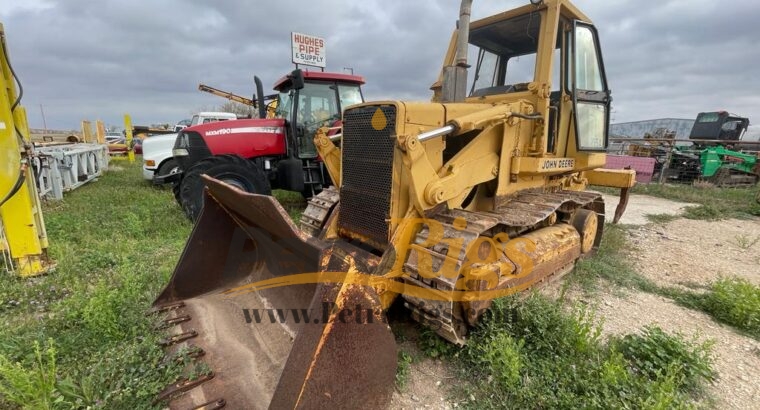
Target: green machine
(725,167)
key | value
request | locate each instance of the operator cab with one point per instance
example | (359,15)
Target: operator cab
(310,100)
(505,55)
(719,125)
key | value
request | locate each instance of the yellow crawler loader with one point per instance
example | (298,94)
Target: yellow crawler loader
(439,206)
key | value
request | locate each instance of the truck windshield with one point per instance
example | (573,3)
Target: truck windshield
(195,119)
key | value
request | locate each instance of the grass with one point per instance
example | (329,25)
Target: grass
(403,369)
(745,242)
(78,337)
(732,301)
(661,218)
(610,265)
(535,353)
(293,202)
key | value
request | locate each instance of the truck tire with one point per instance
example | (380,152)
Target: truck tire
(232,169)
(170,166)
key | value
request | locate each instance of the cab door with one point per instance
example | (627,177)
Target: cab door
(591,94)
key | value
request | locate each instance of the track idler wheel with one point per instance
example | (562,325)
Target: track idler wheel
(586,223)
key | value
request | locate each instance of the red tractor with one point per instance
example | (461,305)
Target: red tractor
(261,154)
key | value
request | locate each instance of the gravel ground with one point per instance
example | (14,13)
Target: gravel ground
(639,206)
(696,253)
(737,357)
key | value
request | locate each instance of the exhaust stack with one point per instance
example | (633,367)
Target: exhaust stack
(454,87)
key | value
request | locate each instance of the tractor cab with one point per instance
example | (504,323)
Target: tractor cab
(719,125)
(309,100)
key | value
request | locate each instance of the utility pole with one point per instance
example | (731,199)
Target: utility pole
(44,123)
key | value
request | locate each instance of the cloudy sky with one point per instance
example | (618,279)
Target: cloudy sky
(100,59)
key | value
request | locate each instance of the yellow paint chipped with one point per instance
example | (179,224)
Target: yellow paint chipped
(379,122)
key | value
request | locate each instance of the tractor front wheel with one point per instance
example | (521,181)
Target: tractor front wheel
(230,169)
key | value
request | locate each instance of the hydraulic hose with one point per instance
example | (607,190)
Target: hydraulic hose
(23,167)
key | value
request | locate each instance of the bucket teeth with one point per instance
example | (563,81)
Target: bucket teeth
(178,338)
(212,405)
(173,322)
(182,386)
(165,308)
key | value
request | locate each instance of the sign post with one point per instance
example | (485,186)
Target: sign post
(308,50)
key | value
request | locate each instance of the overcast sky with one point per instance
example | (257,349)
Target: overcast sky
(100,59)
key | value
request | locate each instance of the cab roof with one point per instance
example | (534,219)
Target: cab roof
(284,82)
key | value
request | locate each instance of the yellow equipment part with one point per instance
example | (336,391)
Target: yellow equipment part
(440,207)
(129,136)
(100,132)
(21,222)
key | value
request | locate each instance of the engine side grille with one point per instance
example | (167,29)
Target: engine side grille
(367,174)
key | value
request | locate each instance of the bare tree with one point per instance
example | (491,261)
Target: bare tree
(236,108)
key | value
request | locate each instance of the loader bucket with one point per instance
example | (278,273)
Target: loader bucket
(279,347)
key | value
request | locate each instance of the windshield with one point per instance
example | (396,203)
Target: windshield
(317,105)
(349,95)
(708,117)
(284,104)
(194,120)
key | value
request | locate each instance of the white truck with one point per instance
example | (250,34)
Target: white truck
(157,150)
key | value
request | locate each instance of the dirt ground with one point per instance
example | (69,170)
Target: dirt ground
(639,206)
(675,253)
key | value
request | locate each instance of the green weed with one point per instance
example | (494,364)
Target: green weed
(405,361)
(536,354)
(733,301)
(30,388)
(653,352)
(745,241)
(434,346)
(704,212)
(661,218)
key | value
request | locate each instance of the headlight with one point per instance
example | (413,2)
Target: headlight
(180,152)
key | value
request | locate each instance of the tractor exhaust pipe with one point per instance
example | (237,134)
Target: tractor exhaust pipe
(454,86)
(463,37)
(260,97)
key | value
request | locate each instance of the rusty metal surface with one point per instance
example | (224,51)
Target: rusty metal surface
(529,216)
(530,208)
(182,386)
(243,238)
(620,209)
(318,210)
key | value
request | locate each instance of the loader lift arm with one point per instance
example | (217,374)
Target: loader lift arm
(240,99)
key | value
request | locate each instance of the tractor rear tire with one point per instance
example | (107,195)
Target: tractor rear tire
(232,169)
(175,190)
